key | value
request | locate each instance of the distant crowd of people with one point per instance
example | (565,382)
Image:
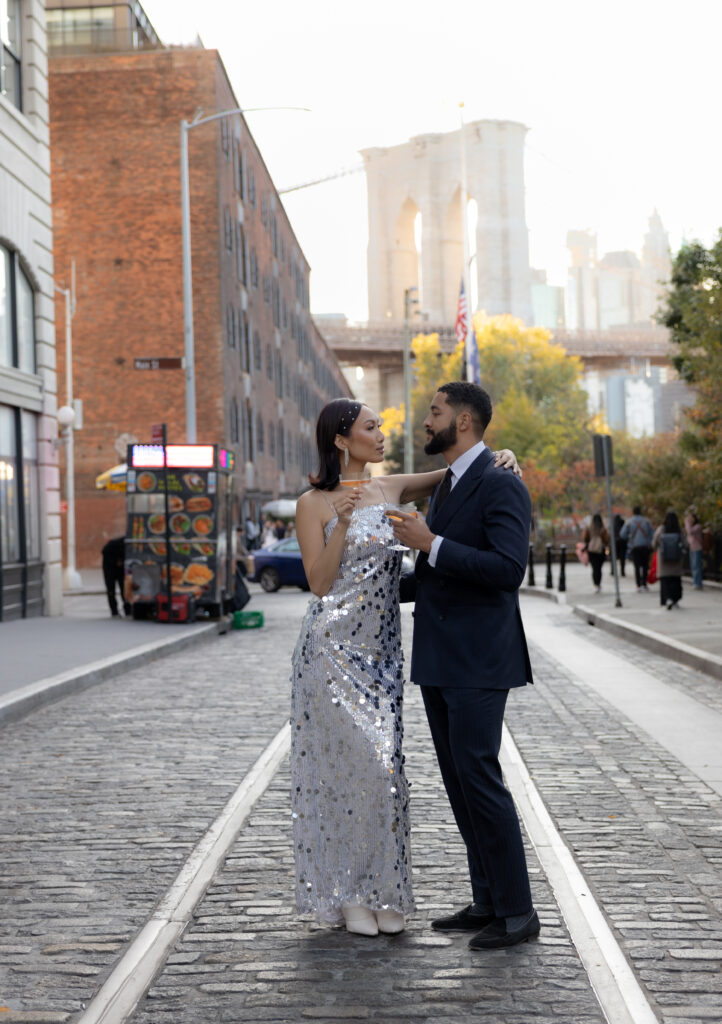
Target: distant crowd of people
(662,550)
(265,532)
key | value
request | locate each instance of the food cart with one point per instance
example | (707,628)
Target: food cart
(179,526)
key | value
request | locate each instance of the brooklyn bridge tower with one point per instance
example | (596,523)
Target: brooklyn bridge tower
(415,225)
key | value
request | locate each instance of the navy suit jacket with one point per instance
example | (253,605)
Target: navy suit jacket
(467,624)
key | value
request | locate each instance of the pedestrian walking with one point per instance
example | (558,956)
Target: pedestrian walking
(595,539)
(268,535)
(669,545)
(250,534)
(620,544)
(349,791)
(113,555)
(469,650)
(638,532)
(279,529)
(693,530)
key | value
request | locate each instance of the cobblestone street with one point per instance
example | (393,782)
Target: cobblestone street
(105,794)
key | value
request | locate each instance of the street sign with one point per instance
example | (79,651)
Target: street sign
(165,363)
(157,433)
(603,466)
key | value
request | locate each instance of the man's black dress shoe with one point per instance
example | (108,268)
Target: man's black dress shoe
(496,936)
(462,921)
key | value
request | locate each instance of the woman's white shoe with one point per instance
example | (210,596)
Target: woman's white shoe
(359,920)
(390,922)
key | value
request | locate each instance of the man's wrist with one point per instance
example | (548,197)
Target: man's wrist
(430,541)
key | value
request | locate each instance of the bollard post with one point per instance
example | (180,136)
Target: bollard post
(562,569)
(531,580)
(550,581)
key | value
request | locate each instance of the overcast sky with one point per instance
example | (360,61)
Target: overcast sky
(621,98)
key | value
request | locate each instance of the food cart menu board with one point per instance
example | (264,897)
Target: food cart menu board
(192,521)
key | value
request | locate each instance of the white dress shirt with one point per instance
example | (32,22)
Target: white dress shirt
(458,467)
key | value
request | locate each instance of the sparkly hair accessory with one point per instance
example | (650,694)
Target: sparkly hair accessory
(349,417)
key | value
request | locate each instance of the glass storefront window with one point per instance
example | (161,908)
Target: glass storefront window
(31,490)
(9,511)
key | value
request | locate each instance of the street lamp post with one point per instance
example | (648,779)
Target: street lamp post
(189,342)
(409,301)
(66,419)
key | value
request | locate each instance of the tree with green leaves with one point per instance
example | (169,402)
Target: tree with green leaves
(693,313)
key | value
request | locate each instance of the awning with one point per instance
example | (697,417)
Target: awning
(282,508)
(112,479)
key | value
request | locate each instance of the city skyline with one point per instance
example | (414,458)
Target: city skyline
(616,122)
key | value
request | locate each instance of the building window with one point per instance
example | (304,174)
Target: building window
(281,447)
(233,422)
(269,362)
(276,298)
(17,314)
(254,268)
(279,374)
(228,229)
(19,487)
(240,172)
(257,351)
(226,137)
(272,439)
(267,289)
(231,326)
(260,438)
(10,67)
(245,343)
(252,193)
(264,211)
(241,254)
(248,432)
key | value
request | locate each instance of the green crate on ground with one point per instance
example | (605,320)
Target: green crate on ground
(247,620)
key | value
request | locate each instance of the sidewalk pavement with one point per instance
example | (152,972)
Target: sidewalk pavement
(694,624)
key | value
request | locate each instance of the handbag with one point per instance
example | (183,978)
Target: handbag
(582,553)
(652,574)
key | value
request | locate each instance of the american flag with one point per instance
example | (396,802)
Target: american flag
(462,316)
(463,331)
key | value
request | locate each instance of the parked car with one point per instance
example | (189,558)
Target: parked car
(277,566)
(281,566)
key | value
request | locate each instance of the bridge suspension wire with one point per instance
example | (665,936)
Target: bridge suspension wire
(344,172)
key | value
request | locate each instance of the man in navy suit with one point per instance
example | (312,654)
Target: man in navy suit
(469,650)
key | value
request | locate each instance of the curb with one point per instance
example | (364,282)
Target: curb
(675,649)
(18,703)
(547,595)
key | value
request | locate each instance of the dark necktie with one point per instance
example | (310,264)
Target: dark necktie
(444,490)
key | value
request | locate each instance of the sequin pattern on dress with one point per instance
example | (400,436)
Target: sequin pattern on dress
(350,800)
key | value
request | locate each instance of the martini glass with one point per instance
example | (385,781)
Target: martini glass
(392,514)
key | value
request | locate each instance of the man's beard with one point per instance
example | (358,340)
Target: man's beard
(441,441)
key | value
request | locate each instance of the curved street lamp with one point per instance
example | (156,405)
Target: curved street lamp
(189,343)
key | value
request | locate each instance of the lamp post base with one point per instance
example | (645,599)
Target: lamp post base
(71,580)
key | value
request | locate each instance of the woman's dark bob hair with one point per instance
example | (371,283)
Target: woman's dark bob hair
(336,417)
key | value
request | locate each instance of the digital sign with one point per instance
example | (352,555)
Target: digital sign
(179,456)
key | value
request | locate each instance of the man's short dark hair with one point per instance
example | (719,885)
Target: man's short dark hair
(637,510)
(463,396)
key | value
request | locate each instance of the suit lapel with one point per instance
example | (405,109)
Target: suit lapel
(459,494)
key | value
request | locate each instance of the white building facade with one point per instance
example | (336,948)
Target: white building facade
(30,556)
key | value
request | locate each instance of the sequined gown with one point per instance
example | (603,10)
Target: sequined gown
(350,800)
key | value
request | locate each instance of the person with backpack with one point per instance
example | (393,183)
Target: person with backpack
(596,539)
(669,544)
(638,533)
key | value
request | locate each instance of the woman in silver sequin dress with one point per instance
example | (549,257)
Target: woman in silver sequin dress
(350,799)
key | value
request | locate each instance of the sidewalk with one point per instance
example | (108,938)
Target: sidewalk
(694,624)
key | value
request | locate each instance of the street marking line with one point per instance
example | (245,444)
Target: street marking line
(134,973)
(615,985)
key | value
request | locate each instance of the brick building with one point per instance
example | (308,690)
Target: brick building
(263,371)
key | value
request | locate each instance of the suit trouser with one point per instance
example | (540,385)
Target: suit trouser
(466,729)
(640,557)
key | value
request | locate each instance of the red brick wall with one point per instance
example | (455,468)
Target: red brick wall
(115,127)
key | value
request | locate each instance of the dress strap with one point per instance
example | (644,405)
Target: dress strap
(383,493)
(329,503)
